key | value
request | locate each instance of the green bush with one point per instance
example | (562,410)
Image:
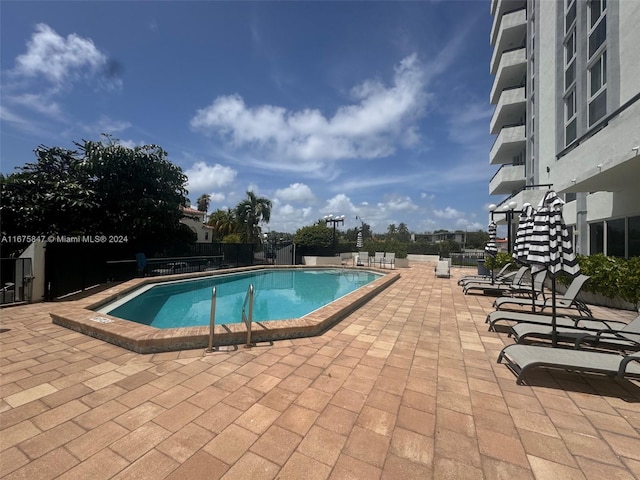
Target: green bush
(499,261)
(612,276)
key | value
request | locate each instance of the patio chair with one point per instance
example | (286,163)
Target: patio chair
(502,275)
(346,259)
(626,337)
(568,300)
(388,259)
(363,259)
(564,320)
(521,358)
(377,259)
(515,283)
(442,269)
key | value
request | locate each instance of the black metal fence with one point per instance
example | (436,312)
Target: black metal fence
(467,259)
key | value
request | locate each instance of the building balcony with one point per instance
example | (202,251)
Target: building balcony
(507,179)
(510,110)
(511,34)
(511,72)
(509,144)
(499,7)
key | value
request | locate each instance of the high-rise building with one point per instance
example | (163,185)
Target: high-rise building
(567,115)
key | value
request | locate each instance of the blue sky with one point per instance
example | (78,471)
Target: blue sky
(372,109)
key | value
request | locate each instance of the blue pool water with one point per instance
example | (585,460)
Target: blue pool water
(279,295)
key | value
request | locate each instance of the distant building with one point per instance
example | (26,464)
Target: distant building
(567,114)
(459,237)
(194,219)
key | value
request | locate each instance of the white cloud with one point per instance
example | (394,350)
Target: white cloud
(203,177)
(57,59)
(39,103)
(296,192)
(402,204)
(107,125)
(449,213)
(380,119)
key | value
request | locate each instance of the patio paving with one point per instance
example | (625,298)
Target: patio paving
(407,386)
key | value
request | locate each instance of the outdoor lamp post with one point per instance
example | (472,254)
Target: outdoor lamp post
(334,220)
(508,209)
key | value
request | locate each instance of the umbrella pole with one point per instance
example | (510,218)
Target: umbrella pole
(533,294)
(554,333)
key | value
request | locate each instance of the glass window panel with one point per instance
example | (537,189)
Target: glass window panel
(633,224)
(597,37)
(570,47)
(571,132)
(571,16)
(596,238)
(570,75)
(570,104)
(595,10)
(598,108)
(595,76)
(615,238)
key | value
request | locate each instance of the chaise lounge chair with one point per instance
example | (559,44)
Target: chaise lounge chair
(377,259)
(502,276)
(626,337)
(568,300)
(519,286)
(564,320)
(442,269)
(521,358)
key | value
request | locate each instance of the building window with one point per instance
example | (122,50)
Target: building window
(596,238)
(571,120)
(597,78)
(597,25)
(570,15)
(633,228)
(615,237)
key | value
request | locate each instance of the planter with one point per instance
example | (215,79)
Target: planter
(592,298)
(402,263)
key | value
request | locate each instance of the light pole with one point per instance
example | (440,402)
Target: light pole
(508,209)
(334,220)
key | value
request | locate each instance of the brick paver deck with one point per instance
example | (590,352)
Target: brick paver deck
(405,387)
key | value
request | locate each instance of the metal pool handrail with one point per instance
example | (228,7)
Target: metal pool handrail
(212,319)
(247,320)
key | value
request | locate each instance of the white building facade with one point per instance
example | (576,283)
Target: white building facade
(567,114)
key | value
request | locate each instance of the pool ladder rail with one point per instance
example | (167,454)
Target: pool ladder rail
(246,319)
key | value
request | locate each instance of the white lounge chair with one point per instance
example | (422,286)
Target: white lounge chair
(388,259)
(377,259)
(442,269)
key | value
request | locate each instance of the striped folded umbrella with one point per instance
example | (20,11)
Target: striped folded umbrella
(359,242)
(490,248)
(550,248)
(523,234)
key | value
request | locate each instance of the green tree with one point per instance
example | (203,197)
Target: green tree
(392,231)
(203,202)
(314,236)
(249,213)
(223,223)
(52,196)
(102,188)
(476,240)
(403,234)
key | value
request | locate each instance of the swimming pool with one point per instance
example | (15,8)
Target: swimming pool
(279,294)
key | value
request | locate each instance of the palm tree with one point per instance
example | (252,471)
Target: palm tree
(203,202)
(223,223)
(249,213)
(391,231)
